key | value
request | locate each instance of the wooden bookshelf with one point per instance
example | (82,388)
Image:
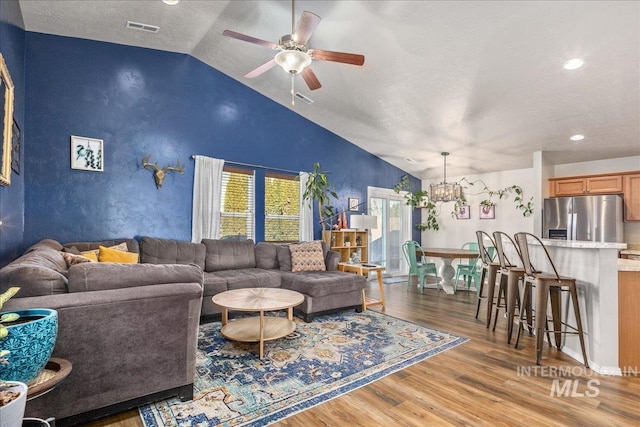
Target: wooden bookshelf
(346,242)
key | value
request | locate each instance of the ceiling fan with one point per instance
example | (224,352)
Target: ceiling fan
(294,54)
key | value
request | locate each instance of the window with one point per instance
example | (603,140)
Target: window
(237,214)
(282,208)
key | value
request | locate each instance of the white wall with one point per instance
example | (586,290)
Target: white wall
(621,164)
(455,232)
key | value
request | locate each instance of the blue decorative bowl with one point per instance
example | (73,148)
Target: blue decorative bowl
(30,343)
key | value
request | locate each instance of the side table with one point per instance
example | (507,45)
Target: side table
(364,270)
(54,372)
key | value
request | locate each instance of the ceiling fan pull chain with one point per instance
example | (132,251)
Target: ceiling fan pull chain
(293,97)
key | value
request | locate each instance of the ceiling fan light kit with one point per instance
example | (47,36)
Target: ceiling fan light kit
(294,55)
(292,61)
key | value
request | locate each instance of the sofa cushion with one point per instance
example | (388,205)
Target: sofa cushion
(40,271)
(250,278)
(266,255)
(213,284)
(167,251)
(95,276)
(307,257)
(284,257)
(72,259)
(321,283)
(229,254)
(132,245)
(116,255)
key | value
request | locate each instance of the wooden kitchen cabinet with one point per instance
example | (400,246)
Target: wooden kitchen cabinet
(628,319)
(632,197)
(580,186)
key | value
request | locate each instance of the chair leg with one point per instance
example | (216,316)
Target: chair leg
(480,289)
(490,293)
(554,295)
(523,313)
(408,282)
(502,297)
(542,295)
(576,310)
(422,278)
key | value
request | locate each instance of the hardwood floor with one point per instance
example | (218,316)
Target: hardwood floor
(479,383)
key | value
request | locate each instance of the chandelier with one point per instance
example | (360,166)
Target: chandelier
(445,192)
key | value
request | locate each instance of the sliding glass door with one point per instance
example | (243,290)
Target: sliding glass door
(394,228)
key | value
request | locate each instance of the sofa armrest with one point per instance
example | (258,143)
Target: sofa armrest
(123,344)
(331,260)
(91,276)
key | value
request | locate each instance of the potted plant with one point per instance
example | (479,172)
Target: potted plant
(347,241)
(319,188)
(13,394)
(29,336)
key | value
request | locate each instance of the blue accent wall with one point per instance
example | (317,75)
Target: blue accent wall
(170,105)
(12,47)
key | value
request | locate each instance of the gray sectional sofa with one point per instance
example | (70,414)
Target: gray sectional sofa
(231,264)
(130,330)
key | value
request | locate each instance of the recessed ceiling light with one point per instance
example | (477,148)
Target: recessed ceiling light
(573,64)
(577,137)
(171,2)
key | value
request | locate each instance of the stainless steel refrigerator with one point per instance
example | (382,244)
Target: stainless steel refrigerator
(587,218)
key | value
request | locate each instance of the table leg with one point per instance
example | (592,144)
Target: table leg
(447,272)
(225,316)
(381,288)
(261,334)
(290,313)
(364,301)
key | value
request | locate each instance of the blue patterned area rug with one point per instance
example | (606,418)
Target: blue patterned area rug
(321,360)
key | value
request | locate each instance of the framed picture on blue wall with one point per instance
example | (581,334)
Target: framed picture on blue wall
(87,154)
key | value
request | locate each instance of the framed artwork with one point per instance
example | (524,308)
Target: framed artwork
(464,212)
(6,100)
(354,204)
(86,153)
(487,212)
(16,148)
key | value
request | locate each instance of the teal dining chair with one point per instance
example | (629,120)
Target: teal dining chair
(471,270)
(417,267)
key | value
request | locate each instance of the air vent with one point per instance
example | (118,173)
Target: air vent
(303,98)
(142,27)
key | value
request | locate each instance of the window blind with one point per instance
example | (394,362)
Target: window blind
(237,217)
(282,208)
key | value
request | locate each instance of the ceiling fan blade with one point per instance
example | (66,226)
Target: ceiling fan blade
(249,39)
(346,58)
(261,69)
(310,78)
(307,23)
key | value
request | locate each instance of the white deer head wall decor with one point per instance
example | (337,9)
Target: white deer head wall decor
(159,174)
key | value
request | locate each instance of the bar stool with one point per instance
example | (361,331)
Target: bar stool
(489,268)
(508,277)
(548,287)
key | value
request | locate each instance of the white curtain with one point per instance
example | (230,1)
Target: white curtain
(306,211)
(207,198)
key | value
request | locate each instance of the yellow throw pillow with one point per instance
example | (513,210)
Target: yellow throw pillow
(115,255)
(92,255)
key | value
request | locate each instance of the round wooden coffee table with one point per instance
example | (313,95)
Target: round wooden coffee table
(262,328)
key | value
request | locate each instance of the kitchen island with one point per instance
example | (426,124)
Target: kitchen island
(594,265)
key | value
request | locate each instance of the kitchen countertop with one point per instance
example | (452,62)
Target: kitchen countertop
(628,265)
(579,244)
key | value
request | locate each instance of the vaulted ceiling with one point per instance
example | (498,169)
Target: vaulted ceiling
(482,80)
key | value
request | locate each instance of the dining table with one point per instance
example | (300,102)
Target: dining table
(446,270)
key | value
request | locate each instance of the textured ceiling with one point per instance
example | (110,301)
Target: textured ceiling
(482,80)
